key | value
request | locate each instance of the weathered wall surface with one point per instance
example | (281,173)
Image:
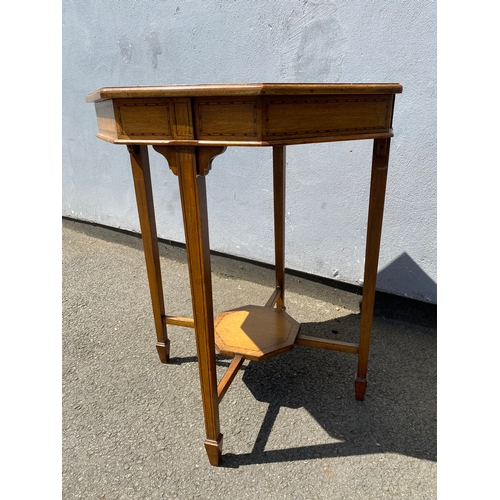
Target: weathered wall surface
(160,42)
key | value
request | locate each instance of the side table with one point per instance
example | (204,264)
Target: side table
(192,124)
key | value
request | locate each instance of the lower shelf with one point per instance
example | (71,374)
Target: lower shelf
(255,332)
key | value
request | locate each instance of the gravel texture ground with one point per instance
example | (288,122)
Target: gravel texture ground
(133,427)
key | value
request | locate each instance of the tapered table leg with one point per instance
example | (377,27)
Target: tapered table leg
(144,195)
(279,182)
(380,162)
(191,165)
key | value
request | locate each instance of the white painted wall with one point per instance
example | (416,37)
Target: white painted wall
(163,42)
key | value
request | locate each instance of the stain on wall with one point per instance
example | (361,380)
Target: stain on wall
(166,42)
(312,37)
(154,47)
(125,46)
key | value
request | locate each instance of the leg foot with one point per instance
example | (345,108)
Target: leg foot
(214,450)
(163,349)
(380,161)
(191,165)
(360,388)
(144,195)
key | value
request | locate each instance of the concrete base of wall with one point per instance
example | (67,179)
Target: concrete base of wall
(387,305)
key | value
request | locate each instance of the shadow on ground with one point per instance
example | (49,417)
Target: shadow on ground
(398,414)
(399,411)
(133,428)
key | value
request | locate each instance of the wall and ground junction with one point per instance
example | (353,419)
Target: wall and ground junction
(165,42)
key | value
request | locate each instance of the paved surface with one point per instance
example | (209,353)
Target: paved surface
(133,427)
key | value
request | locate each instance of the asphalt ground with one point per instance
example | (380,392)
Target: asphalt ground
(132,427)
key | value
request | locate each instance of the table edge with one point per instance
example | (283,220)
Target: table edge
(206,90)
(279,142)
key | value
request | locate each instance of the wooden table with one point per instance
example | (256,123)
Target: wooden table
(190,126)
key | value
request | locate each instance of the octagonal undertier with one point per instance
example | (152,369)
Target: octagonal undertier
(255,332)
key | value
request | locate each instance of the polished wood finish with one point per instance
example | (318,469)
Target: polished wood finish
(144,196)
(190,125)
(251,115)
(331,345)
(255,332)
(179,321)
(244,89)
(271,302)
(228,377)
(380,161)
(279,175)
(184,162)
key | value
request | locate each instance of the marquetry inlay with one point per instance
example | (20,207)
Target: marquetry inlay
(143,118)
(303,117)
(227,118)
(260,115)
(190,125)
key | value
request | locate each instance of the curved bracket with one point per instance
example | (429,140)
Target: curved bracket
(204,156)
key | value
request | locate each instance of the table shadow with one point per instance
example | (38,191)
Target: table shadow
(398,414)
